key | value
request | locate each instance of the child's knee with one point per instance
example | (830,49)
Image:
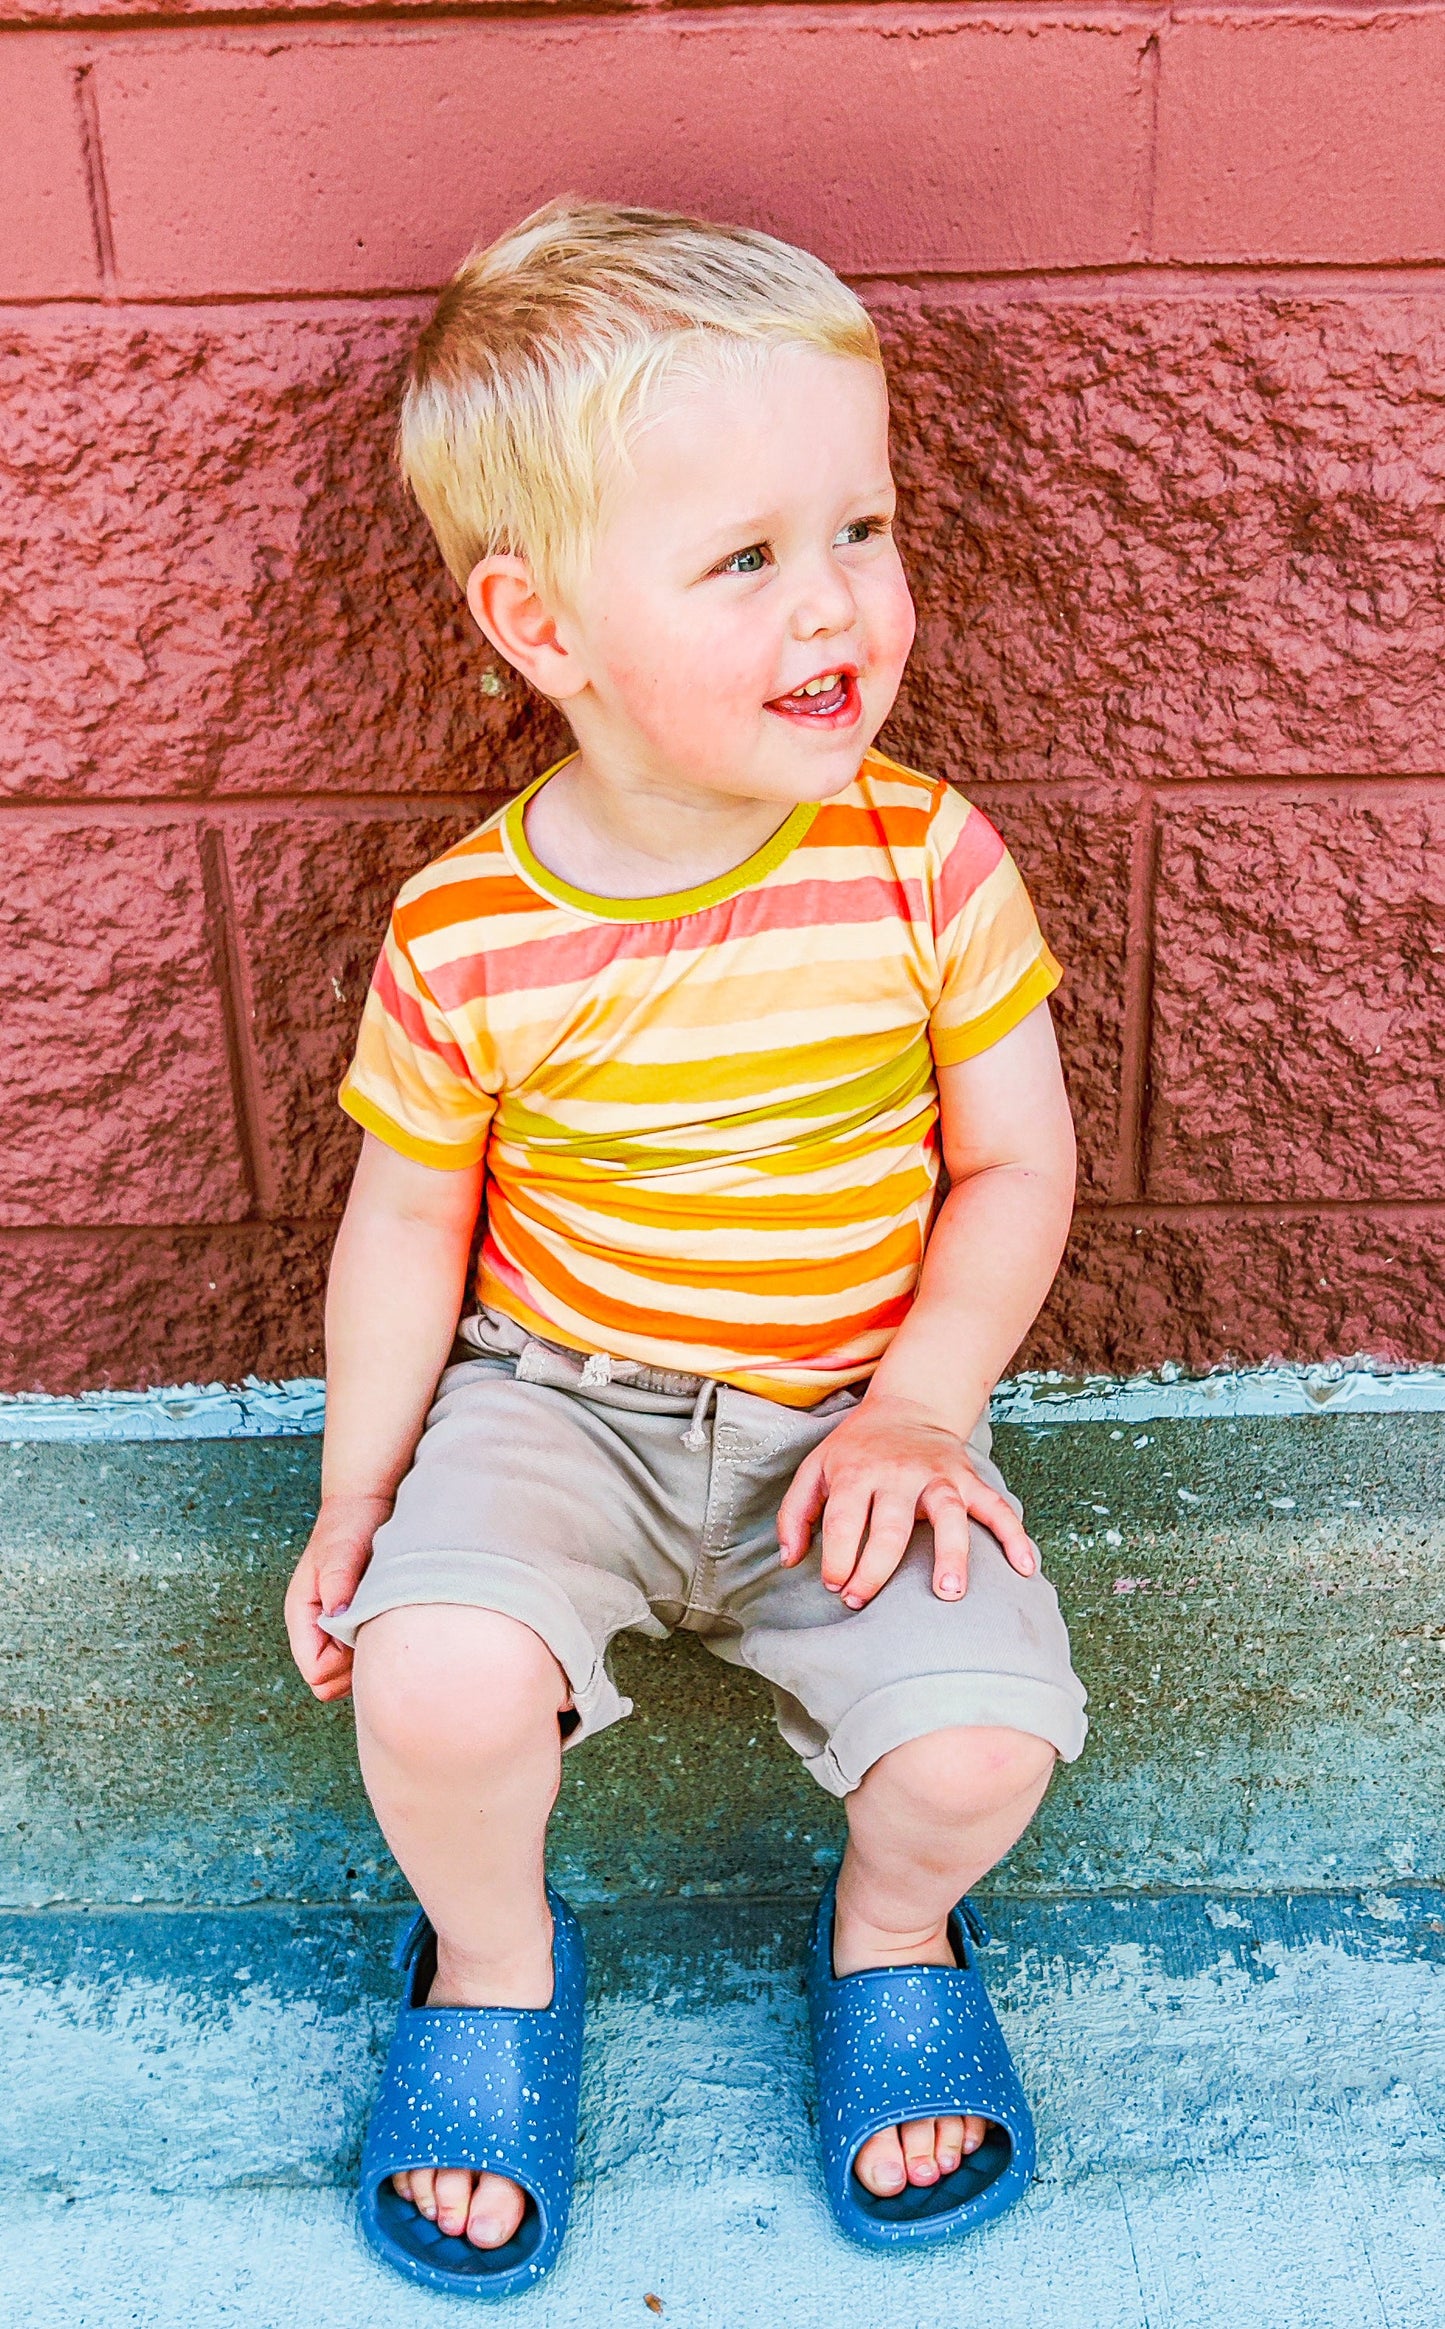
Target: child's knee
(967,1771)
(436,1681)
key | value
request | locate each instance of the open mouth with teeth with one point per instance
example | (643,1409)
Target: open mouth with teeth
(831,700)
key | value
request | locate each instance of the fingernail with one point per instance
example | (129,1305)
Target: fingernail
(832,1588)
(852,1601)
(950,1588)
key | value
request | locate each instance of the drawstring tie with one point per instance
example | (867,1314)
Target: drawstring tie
(695,1436)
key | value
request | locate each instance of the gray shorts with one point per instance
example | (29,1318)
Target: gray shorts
(586,1497)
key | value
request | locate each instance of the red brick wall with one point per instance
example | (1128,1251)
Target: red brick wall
(1164,294)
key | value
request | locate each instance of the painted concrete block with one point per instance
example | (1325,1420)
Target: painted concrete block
(1287,135)
(88,1308)
(220,587)
(1149,537)
(1172,537)
(1076,852)
(358,161)
(1260,1645)
(312,900)
(116,1088)
(47,235)
(1144,1286)
(1298,1000)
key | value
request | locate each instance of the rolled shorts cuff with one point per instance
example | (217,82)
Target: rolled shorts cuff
(510,1589)
(903,1711)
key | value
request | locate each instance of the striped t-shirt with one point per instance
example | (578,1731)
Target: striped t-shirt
(709,1119)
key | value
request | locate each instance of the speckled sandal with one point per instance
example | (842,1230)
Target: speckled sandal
(920,2043)
(484,2087)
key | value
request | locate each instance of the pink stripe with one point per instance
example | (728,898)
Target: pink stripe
(540,963)
(967,866)
(409,1017)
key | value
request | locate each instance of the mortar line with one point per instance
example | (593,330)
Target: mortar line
(905,16)
(1151,1211)
(397,808)
(96,190)
(1158,278)
(1150,66)
(233,979)
(322,809)
(1132,1164)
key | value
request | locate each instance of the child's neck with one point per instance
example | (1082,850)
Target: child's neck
(643,836)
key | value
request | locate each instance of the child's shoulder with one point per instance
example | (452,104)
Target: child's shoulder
(469,882)
(907,805)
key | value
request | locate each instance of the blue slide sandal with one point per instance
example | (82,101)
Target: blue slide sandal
(491,2087)
(922,2042)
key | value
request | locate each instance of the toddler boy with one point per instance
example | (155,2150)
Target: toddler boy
(695,1021)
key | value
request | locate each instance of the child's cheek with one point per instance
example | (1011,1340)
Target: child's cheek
(893,625)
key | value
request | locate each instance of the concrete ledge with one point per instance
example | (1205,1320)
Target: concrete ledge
(1255,1610)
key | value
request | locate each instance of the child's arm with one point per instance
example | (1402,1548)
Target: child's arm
(398,1276)
(1008,1142)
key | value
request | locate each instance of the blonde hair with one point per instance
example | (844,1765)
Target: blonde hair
(544,348)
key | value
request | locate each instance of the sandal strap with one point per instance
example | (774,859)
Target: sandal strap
(920,2042)
(490,2088)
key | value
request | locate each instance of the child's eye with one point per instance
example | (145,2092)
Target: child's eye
(863,529)
(745,561)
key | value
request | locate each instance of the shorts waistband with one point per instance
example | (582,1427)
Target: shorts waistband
(539,1359)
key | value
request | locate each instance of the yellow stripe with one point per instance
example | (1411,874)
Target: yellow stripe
(447,1159)
(954,1044)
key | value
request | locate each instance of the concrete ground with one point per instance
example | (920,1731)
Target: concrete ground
(1241,2103)
(1220,1957)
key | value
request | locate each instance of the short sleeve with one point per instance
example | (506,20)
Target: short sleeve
(993,964)
(412,1081)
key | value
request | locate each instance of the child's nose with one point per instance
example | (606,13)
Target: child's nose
(825,604)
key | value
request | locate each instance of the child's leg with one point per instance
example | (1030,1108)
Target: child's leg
(926,1823)
(456,1725)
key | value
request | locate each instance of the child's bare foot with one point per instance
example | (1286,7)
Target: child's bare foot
(924,2150)
(485,2209)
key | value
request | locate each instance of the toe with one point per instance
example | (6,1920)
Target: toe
(974,2131)
(948,2143)
(918,2139)
(401,2184)
(879,2165)
(454,2199)
(496,2211)
(422,2192)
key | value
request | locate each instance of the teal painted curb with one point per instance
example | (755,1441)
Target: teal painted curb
(1255,1605)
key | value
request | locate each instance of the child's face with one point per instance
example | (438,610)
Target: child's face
(748,554)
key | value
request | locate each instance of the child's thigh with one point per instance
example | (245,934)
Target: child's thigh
(850,1685)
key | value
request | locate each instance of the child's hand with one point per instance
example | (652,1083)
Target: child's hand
(326,1576)
(871,1478)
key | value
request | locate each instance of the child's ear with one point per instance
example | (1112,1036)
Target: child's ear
(509,610)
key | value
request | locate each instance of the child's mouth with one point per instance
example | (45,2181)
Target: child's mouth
(829,701)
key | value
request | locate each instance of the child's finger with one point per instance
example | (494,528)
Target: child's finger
(889,1529)
(339,1575)
(999,1516)
(945,1507)
(330,1676)
(799,1510)
(845,1517)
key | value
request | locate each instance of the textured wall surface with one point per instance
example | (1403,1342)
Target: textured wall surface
(1162,290)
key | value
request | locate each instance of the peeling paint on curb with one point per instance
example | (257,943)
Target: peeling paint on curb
(297,1408)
